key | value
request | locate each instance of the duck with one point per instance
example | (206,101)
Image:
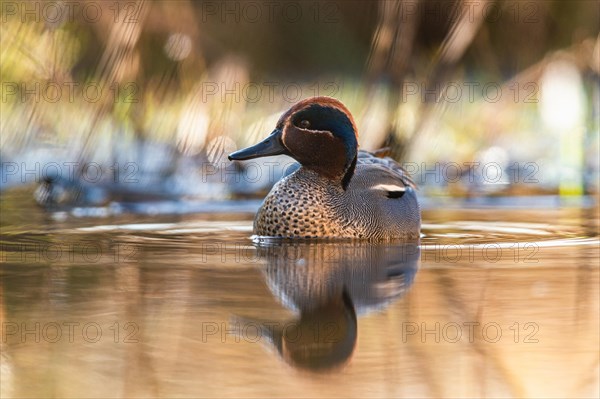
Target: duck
(336,190)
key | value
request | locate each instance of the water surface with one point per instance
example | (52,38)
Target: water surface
(490,303)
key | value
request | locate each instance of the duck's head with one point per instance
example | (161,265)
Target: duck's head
(318,132)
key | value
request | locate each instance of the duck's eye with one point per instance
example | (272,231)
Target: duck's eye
(304,124)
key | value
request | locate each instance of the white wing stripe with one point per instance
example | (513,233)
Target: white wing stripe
(389,187)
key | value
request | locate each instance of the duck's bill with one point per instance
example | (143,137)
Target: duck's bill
(268,147)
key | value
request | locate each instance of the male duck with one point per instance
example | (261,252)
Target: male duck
(337,191)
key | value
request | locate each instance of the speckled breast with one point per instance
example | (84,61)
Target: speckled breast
(299,206)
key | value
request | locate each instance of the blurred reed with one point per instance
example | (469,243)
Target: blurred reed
(438,88)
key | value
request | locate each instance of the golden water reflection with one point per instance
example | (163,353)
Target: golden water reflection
(327,284)
(157,312)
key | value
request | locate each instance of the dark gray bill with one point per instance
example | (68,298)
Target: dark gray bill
(272,145)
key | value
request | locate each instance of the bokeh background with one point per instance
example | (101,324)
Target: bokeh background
(129,108)
(478,99)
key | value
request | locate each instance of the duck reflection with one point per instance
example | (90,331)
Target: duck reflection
(328,285)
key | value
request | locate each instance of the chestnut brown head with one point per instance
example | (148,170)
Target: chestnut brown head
(319,133)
